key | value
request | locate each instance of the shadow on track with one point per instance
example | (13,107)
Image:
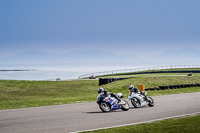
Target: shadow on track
(143,107)
(98,112)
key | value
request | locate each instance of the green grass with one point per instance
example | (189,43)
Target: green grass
(148,75)
(149,82)
(182,125)
(23,94)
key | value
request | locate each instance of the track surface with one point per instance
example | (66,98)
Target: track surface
(86,116)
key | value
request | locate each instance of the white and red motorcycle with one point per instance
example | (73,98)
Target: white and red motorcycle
(139,99)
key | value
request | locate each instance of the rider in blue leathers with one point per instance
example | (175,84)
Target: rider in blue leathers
(106,93)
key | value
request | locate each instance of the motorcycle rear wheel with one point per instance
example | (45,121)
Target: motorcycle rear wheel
(104,107)
(135,102)
(125,107)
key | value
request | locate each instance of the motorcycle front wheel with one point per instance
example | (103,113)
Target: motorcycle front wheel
(104,107)
(125,106)
(151,102)
(135,102)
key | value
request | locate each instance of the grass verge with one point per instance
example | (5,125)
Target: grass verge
(24,94)
(188,124)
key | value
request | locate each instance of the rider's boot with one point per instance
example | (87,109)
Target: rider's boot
(145,97)
(120,102)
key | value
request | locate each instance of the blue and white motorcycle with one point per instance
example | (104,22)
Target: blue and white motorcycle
(108,103)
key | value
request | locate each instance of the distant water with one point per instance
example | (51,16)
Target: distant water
(66,71)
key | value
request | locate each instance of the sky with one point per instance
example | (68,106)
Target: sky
(143,28)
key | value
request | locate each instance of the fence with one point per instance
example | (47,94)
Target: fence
(138,70)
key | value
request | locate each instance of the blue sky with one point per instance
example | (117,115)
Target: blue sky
(144,28)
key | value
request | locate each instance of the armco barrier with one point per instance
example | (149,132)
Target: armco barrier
(103,81)
(141,70)
(173,87)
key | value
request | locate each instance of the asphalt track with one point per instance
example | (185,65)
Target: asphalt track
(87,116)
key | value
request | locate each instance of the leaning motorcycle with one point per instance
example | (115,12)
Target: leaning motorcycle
(139,99)
(108,103)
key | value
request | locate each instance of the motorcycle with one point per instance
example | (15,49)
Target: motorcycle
(139,99)
(108,103)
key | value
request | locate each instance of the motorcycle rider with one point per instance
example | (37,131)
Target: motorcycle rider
(133,89)
(106,93)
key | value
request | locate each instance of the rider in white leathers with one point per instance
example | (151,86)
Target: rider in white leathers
(136,90)
(133,89)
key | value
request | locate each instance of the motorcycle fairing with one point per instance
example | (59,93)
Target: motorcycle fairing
(110,100)
(139,97)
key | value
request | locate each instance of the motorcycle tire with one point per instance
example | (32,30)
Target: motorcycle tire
(136,102)
(151,102)
(105,107)
(125,107)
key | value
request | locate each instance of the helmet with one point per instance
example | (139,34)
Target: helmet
(131,87)
(100,90)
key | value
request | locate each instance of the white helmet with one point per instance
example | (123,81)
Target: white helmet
(131,87)
(100,90)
